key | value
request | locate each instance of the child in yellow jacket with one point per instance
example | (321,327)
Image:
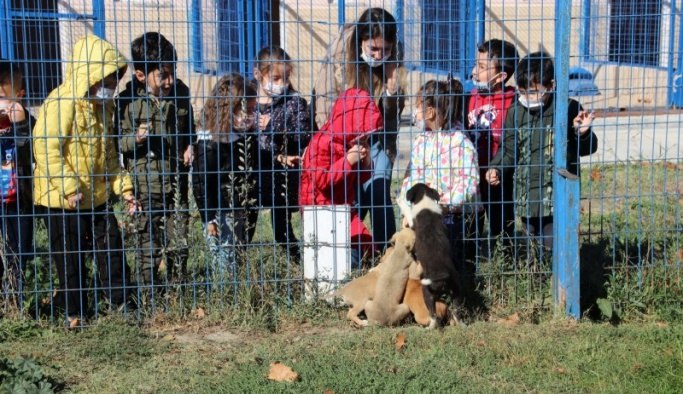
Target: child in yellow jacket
(77,164)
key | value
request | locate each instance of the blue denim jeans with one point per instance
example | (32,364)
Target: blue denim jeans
(375,197)
(223,248)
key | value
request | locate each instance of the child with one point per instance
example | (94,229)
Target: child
(223,176)
(487,106)
(528,149)
(444,158)
(335,158)
(285,126)
(16,189)
(77,164)
(156,122)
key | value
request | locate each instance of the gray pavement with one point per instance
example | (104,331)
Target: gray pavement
(622,139)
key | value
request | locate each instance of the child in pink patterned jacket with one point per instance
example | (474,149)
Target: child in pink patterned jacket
(444,158)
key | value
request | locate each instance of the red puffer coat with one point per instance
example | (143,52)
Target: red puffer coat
(327,177)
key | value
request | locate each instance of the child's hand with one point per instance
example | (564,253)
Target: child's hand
(492,177)
(263,121)
(132,204)
(353,154)
(212,229)
(583,121)
(141,135)
(188,156)
(365,159)
(292,161)
(74,200)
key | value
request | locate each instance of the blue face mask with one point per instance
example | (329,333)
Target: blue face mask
(483,87)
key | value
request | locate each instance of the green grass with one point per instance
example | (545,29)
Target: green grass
(553,357)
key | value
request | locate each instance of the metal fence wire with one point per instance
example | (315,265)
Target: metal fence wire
(161,156)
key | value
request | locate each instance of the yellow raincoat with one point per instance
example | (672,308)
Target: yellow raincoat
(74,139)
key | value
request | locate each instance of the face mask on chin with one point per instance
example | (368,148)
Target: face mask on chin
(371,61)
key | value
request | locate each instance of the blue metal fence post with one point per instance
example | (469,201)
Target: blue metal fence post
(341,11)
(197,39)
(566,188)
(675,91)
(398,14)
(98,18)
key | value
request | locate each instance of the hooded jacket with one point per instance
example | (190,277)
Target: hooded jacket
(74,146)
(328,178)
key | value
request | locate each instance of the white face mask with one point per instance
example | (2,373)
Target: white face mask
(371,61)
(531,104)
(419,124)
(105,94)
(244,124)
(483,87)
(273,90)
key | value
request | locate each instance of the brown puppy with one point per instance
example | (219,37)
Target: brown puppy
(387,308)
(359,291)
(415,300)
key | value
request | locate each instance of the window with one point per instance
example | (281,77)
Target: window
(634,31)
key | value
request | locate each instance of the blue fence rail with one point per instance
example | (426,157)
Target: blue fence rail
(616,227)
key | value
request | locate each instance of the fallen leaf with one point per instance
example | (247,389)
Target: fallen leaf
(670,166)
(596,174)
(400,341)
(168,337)
(481,343)
(282,373)
(662,324)
(636,367)
(329,392)
(199,312)
(561,371)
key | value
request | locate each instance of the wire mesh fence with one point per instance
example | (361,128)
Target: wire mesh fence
(163,156)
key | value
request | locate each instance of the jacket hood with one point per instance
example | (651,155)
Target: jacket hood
(354,114)
(92,60)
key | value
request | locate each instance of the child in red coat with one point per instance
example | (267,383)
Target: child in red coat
(337,160)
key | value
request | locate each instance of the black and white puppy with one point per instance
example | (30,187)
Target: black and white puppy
(432,249)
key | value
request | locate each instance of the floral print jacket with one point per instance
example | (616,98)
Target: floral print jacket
(447,161)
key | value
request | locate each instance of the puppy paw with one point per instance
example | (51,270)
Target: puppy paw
(432,323)
(364,323)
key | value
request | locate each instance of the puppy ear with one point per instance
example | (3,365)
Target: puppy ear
(433,194)
(410,195)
